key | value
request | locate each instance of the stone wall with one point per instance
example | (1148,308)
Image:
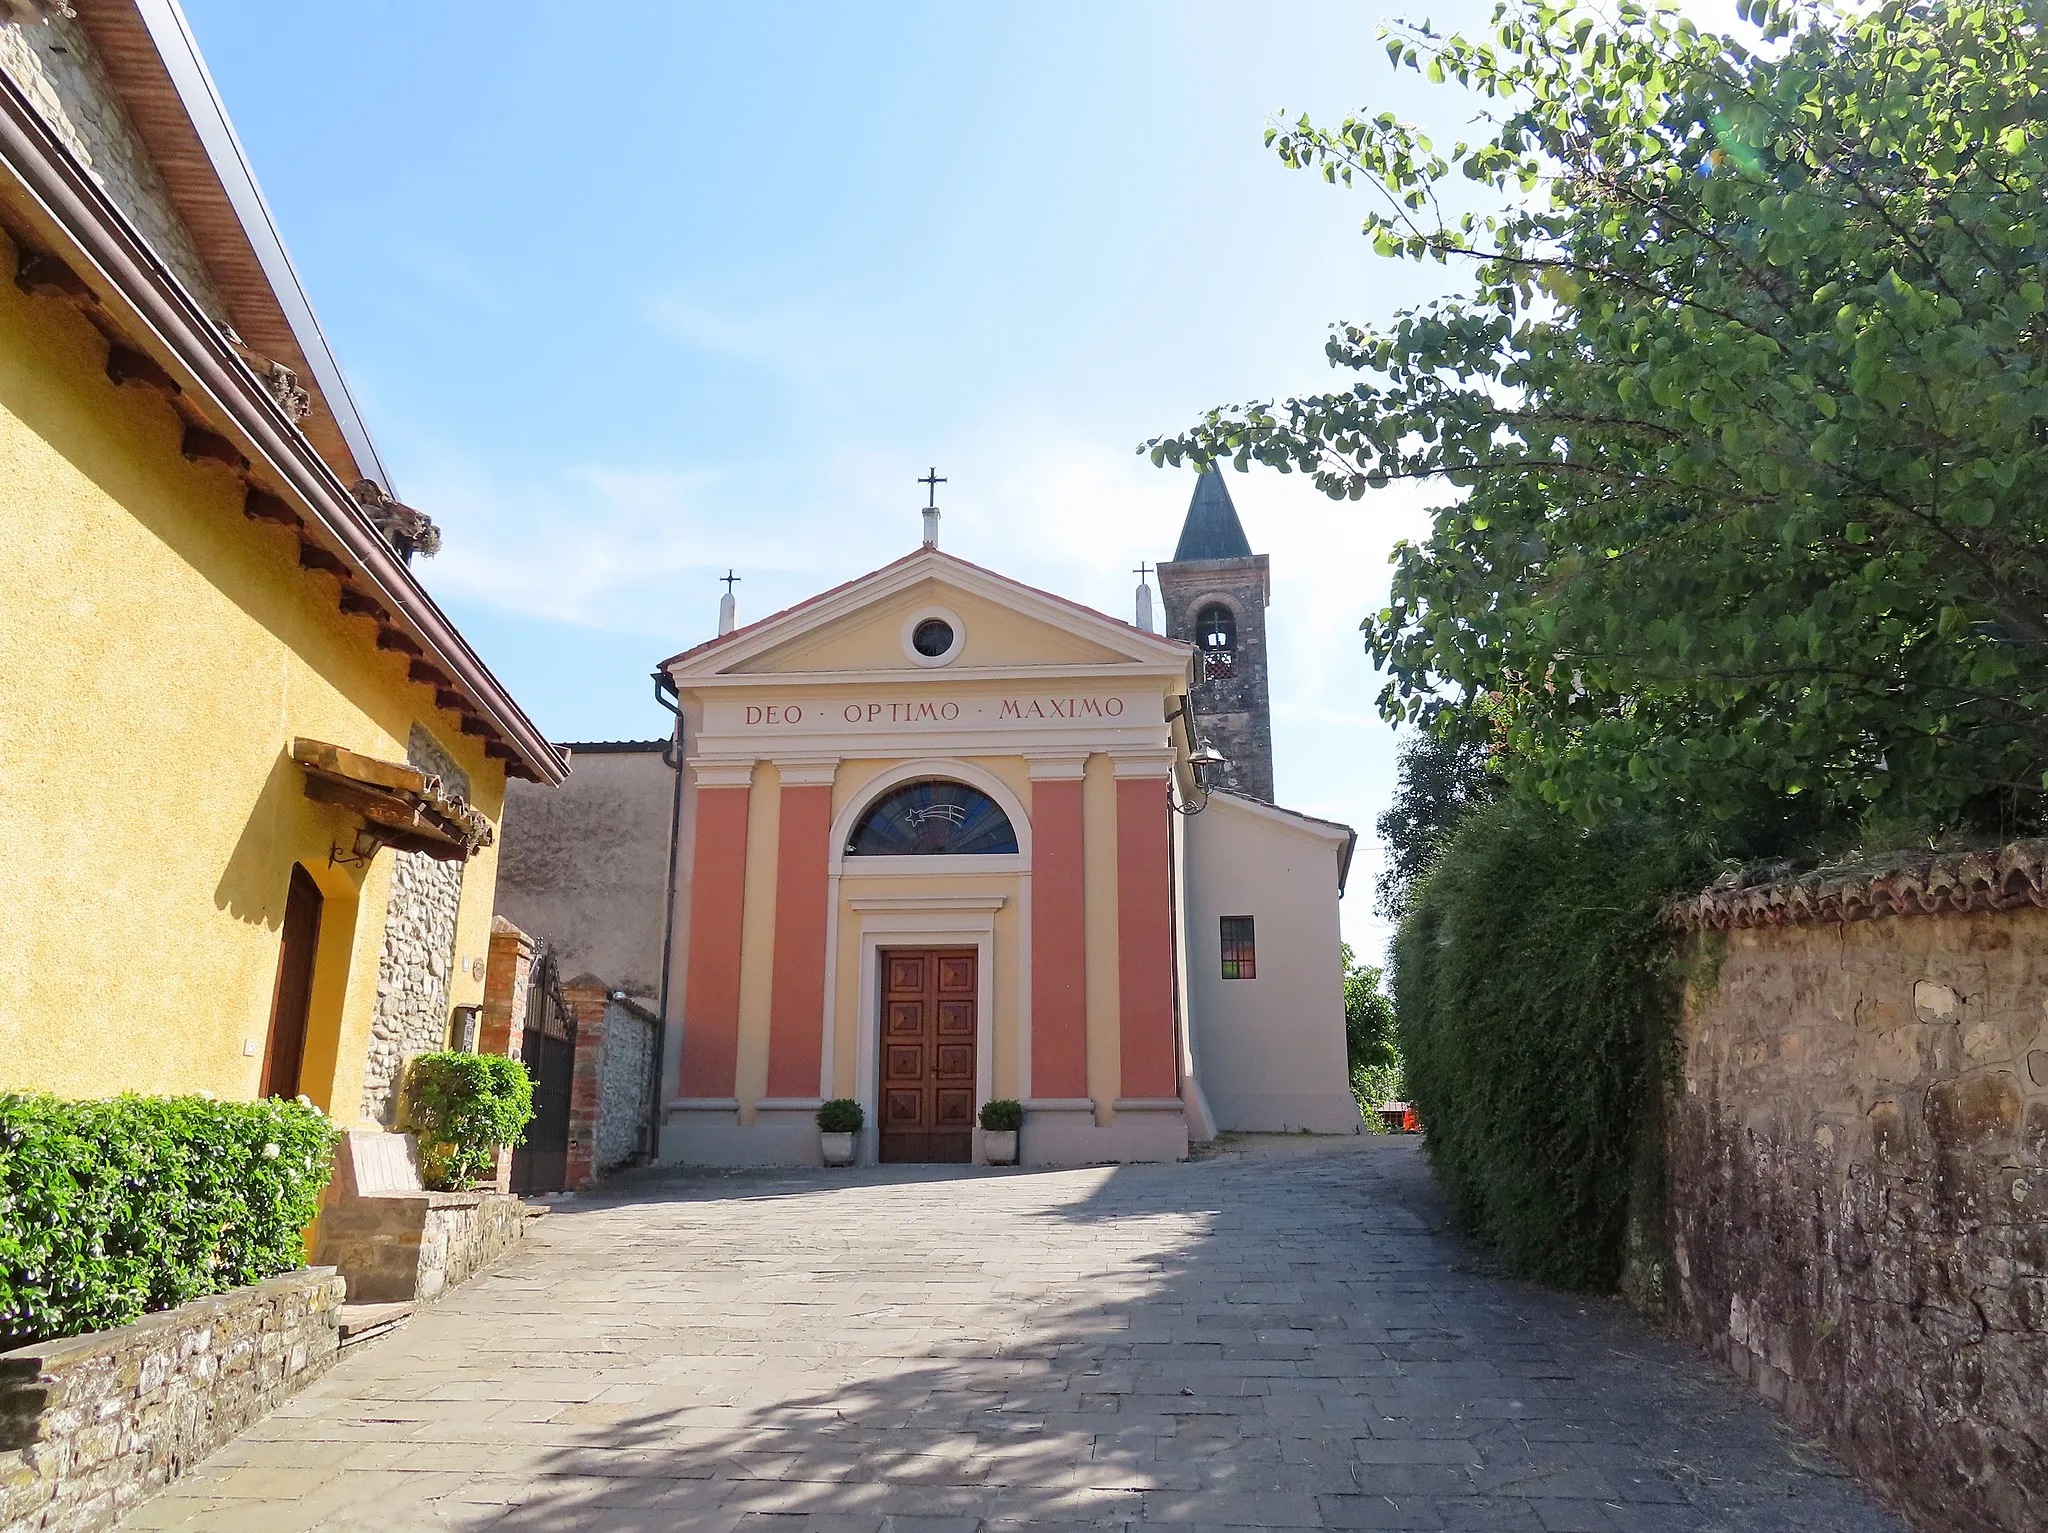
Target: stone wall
(616,1040)
(91,1425)
(393,1240)
(53,65)
(418,958)
(625,1076)
(1858,1181)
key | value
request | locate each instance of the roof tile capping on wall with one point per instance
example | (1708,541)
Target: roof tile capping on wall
(1902,884)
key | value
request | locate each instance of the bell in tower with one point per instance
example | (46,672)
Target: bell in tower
(1215,591)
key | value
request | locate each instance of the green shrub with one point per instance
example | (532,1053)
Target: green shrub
(841,1115)
(1372,1086)
(1002,1117)
(1370,1041)
(1535,994)
(464,1108)
(110,1210)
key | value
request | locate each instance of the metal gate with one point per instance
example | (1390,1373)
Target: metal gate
(548,1050)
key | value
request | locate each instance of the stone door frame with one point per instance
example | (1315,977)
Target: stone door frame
(923,921)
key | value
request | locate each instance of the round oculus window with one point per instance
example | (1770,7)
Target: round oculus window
(932,638)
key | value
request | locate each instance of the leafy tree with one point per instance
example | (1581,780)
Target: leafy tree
(1441,780)
(1746,411)
(1371,1045)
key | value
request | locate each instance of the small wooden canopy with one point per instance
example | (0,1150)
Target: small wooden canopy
(401,806)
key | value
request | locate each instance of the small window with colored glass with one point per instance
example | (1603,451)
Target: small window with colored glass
(1240,956)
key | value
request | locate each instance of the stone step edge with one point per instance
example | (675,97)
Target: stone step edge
(366,1322)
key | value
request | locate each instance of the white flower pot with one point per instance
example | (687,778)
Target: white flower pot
(999,1146)
(838,1148)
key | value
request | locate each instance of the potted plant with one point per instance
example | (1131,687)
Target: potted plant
(999,1124)
(839,1120)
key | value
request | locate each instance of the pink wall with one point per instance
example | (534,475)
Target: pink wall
(1144,923)
(1059,942)
(711,998)
(796,1008)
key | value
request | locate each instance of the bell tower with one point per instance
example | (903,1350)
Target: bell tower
(1215,591)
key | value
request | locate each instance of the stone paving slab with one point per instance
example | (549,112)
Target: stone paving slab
(1276,1339)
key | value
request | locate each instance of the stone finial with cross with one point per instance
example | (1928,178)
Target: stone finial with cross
(728,609)
(931,481)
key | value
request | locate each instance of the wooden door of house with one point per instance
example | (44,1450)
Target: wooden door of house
(929,1026)
(547,1047)
(291,1000)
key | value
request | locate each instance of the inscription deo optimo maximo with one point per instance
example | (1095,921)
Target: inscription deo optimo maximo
(1071,709)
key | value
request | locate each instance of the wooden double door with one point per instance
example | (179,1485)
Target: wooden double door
(929,1028)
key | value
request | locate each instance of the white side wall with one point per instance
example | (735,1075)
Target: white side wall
(1269,1050)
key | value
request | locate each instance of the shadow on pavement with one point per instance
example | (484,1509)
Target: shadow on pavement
(1256,1340)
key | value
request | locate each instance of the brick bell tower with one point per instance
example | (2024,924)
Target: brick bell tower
(1215,591)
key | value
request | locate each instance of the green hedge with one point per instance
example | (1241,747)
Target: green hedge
(1535,995)
(464,1107)
(110,1210)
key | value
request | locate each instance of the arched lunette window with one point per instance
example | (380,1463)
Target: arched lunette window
(932,818)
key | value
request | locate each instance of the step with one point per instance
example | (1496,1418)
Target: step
(366,1322)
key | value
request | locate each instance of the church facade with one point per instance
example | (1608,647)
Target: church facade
(941,838)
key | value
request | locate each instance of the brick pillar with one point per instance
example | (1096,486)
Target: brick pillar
(1059,932)
(718,890)
(1144,922)
(502,1026)
(588,1001)
(506,972)
(796,1005)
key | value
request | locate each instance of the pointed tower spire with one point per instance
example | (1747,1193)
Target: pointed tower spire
(1215,590)
(1212,530)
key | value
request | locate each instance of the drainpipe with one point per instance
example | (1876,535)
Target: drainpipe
(665,694)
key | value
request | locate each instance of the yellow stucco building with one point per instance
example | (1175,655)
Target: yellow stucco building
(250,775)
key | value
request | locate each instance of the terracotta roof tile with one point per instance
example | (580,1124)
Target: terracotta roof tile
(1909,884)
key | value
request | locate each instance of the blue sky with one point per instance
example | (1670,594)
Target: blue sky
(629,294)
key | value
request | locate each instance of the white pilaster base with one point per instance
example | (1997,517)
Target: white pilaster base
(710,1134)
(1065,1133)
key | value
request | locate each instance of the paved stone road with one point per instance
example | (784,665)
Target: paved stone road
(1266,1340)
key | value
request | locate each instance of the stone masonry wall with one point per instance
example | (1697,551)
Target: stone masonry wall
(53,65)
(415,966)
(624,1077)
(91,1425)
(615,1049)
(1858,1181)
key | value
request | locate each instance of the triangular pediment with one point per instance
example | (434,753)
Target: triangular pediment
(863,627)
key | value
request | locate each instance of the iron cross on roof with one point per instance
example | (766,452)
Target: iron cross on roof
(931,481)
(730,580)
(1143,571)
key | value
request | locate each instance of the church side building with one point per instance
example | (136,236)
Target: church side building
(943,838)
